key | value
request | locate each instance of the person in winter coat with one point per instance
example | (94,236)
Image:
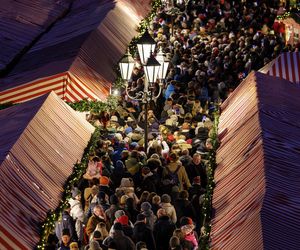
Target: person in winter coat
(189,236)
(168,207)
(65,240)
(117,153)
(150,216)
(184,207)
(147,181)
(163,230)
(127,188)
(130,209)
(197,168)
(66,222)
(174,165)
(114,206)
(120,240)
(77,213)
(90,193)
(97,217)
(142,232)
(127,229)
(102,200)
(133,163)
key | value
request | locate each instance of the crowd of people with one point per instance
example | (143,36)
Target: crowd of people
(136,198)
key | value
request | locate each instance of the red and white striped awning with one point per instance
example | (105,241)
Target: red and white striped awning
(285,66)
(256,198)
(35,162)
(65,85)
(77,56)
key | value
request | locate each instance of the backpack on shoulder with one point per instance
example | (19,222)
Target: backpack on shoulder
(171,178)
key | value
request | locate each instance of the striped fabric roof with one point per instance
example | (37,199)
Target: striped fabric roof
(22,22)
(256,199)
(87,44)
(285,66)
(35,161)
(65,85)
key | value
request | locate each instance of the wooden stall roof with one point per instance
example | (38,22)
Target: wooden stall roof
(87,43)
(41,140)
(22,22)
(256,201)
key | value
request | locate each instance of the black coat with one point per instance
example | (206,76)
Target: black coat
(193,170)
(184,208)
(122,241)
(141,232)
(148,184)
(163,231)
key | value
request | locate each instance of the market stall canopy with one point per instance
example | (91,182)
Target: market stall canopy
(76,57)
(22,22)
(285,66)
(256,199)
(41,140)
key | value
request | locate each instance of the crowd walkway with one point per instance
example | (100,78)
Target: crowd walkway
(136,198)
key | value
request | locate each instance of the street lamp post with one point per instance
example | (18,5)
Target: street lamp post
(154,69)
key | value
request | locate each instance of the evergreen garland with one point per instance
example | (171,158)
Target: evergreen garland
(79,169)
(95,107)
(204,243)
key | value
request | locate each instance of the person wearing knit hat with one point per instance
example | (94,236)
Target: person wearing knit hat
(163,229)
(146,209)
(104,181)
(128,130)
(119,238)
(153,163)
(65,239)
(104,185)
(165,198)
(133,145)
(146,206)
(187,229)
(123,219)
(142,232)
(127,228)
(168,207)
